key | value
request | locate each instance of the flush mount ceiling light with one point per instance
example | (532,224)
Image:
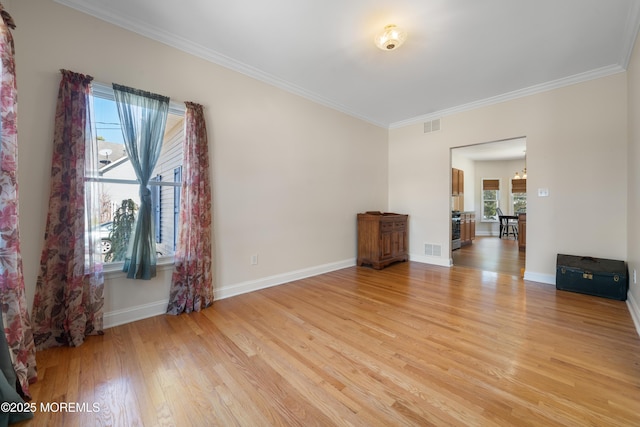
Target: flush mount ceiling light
(390,38)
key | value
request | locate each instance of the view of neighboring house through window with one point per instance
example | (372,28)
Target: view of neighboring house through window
(177,177)
(119,183)
(490,197)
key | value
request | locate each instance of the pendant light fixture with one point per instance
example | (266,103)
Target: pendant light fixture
(524,171)
(390,38)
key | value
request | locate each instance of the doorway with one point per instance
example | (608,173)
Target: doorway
(497,163)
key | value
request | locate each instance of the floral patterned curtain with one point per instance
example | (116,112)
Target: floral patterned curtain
(13,306)
(191,283)
(69,301)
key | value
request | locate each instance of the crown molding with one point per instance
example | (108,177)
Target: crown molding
(200,51)
(631,30)
(520,93)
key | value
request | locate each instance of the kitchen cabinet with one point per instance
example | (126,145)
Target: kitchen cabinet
(457,182)
(467,228)
(382,239)
(522,231)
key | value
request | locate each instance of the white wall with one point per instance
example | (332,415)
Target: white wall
(633,164)
(576,147)
(288,175)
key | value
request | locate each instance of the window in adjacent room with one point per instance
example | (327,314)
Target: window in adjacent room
(490,197)
(119,183)
(519,195)
(519,202)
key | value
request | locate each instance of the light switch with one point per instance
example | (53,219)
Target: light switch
(543,192)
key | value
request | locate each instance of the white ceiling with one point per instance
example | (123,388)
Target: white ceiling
(459,54)
(509,149)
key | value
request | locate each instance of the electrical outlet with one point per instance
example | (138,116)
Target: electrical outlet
(254,259)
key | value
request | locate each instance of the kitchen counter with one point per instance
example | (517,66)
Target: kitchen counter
(522,231)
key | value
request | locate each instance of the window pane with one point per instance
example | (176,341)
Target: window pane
(489,195)
(168,226)
(519,202)
(115,165)
(119,208)
(119,211)
(489,211)
(489,203)
(156,205)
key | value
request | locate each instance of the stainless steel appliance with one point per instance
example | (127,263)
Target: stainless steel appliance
(455,230)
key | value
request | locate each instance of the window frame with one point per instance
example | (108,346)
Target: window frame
(514,197)
(105,91)
(156,206)
(177,195)
(483,200)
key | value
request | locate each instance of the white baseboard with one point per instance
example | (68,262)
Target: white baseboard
(425,259)
(279,279)
(139,312)
(549,279)
(634,309)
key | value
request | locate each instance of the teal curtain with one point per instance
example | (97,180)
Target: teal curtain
(143,117)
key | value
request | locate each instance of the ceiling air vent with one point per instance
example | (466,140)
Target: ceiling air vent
(432,126)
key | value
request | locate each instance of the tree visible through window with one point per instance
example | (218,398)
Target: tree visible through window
(118,179)
(490,198)
(519,202)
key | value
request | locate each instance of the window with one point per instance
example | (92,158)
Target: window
(519,195)
(519,202)
(490,197)
(177,177)
(119,187)
(156,203)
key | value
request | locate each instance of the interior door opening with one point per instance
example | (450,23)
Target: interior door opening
(487,178)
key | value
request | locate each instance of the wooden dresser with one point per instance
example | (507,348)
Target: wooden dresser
(382,239)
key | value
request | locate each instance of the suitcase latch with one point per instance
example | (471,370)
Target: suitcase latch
(587,276)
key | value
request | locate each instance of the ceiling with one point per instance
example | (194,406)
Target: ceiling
(509,149)
(458,55)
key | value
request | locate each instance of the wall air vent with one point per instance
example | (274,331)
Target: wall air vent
(432,126)
(431,249)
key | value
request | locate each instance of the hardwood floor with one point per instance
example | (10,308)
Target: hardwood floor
(412,344)
(491,254)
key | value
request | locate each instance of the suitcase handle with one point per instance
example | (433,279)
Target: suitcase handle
(588,258)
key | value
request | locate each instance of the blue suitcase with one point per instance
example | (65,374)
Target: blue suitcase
(594,276)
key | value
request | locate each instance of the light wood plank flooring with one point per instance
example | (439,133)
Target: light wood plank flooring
(491,254)
(409,345)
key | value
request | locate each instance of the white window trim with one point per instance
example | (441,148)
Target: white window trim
(489,221)
(114,269)
(102,90)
